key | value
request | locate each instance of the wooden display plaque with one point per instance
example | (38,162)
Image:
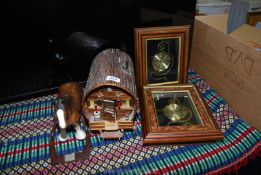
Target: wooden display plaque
(176,114)
(161,55)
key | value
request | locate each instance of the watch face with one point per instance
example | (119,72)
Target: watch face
(175,108)
(161,62)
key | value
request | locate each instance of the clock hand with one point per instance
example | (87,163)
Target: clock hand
(164,65)
(165,57)
(157,57)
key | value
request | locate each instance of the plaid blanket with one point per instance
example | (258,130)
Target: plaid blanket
(25,129)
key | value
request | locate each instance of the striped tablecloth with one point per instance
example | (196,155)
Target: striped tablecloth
(25,129)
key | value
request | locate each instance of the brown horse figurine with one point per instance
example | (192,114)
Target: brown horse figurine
(69,109)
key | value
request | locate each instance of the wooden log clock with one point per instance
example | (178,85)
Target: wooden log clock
(110,98)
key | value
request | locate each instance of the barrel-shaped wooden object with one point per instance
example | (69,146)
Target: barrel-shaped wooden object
(111,68)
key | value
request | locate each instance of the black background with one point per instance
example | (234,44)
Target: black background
(36,56)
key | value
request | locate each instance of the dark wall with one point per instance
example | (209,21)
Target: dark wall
(42,45)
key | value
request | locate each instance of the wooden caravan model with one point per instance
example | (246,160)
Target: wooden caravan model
(110,99)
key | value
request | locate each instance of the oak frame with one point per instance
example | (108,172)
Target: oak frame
(142,35)
(208,130)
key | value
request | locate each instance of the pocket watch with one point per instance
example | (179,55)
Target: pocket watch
(162,61)
(176,112)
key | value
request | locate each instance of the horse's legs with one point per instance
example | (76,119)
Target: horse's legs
(63,135)
(80,134)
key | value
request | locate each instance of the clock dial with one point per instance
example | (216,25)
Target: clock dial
(161,62)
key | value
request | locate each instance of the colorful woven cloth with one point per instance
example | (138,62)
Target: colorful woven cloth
(25,129)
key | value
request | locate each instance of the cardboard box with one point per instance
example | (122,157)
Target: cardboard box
(230,64)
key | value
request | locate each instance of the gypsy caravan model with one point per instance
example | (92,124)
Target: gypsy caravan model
(110,99)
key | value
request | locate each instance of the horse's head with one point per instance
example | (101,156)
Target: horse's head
(68,104)
(63,111)
(68,114)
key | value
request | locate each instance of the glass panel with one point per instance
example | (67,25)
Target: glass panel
(163,60)
(175,109)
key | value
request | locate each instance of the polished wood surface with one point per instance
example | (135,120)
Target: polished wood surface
(142,34)
(154,134)
(55,159)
